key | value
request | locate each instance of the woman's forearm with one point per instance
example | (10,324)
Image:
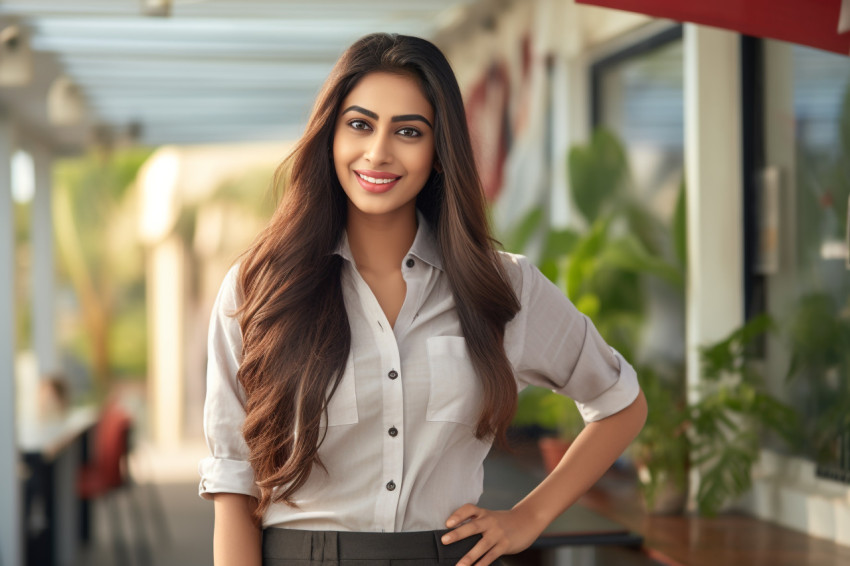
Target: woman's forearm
(589,456)
(237,539)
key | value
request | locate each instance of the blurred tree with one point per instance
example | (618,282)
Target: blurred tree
(23,295)
(95,223)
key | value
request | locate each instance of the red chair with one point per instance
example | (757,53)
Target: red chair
(108,473)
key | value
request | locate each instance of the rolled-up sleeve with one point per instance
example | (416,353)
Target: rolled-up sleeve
(552,345)
(227,469)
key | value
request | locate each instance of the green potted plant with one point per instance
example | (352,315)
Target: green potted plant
(726,425)
(553,419)
(661,452)
(604,278)
(818,334)
(603,269)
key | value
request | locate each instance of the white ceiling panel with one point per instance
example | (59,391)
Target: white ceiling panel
(215,70)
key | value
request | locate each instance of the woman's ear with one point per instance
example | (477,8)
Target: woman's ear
(438,167)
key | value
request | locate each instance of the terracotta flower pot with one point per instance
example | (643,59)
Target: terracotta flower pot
(552,450)
(670,499)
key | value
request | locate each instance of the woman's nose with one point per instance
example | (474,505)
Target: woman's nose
(379,150)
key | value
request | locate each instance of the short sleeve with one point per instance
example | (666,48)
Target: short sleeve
(227,469)
(553,345)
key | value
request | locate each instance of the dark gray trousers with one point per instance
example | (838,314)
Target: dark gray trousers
(290,547)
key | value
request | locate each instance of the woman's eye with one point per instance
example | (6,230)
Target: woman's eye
(358,125)
(409,132)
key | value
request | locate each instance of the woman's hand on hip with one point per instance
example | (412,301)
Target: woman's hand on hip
(502,532)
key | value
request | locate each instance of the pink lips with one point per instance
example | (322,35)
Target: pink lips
(376,187)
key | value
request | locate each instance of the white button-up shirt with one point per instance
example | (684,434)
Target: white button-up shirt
(400,449)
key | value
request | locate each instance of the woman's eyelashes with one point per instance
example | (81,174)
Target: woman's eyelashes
(363,125)
(410,132)
(359,125)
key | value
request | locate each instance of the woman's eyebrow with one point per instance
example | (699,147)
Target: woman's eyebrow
(402,118)
(411,117)
(362,110)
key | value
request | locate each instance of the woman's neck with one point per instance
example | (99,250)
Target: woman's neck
(379,242)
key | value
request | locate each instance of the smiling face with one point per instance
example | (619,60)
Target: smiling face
(383,146)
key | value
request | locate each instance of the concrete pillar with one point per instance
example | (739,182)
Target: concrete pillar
(714,297)
(43,276)
(166,315)
(11,545)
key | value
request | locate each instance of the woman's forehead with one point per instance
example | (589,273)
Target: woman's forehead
(387,95)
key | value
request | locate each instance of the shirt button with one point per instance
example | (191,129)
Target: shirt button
(410,262)
(390,485)
(393,431)
(393,374)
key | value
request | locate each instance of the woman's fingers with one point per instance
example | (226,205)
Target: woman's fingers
(492,555)
(484,552)
(478,521)
(472,520)
(463,531)
(462,514)
(502,532)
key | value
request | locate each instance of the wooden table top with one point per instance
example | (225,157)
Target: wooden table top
(730,539)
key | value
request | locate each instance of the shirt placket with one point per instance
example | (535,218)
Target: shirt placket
(392,431)
(392,410)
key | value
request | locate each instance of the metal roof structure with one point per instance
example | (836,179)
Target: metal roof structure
(210,71)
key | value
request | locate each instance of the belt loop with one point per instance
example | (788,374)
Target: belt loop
(331,548)
(324,548)
(317,547)
(439,544)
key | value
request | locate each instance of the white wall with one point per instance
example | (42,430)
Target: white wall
(11,551)
(43,261)
(714,297)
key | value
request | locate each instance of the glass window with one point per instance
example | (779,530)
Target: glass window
(809,294)
(639,96)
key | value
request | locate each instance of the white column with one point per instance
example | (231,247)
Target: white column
(43,276)
(714,298)
(571,109)
(166,308)
(11,547)
(714,295)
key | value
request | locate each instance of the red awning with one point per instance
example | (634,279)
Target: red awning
(817,23)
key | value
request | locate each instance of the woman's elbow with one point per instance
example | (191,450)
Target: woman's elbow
(641,409)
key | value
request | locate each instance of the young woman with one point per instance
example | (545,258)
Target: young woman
(369,346)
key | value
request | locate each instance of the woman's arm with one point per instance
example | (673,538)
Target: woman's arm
(237,539)
(592,453)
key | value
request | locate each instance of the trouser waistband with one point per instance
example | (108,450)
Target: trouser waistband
(293,544)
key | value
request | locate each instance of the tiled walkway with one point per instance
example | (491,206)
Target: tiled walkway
(180,534)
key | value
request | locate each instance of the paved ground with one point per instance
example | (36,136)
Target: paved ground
(169,524)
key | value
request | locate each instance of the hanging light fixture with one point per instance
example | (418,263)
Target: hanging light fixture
(156,8)
(15,57)
(65,105)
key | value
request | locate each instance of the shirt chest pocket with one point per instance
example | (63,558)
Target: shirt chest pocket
(342,407)
(455,390)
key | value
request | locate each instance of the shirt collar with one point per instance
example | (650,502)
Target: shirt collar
(424,245)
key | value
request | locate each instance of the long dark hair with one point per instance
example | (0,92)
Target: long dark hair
(295,331)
